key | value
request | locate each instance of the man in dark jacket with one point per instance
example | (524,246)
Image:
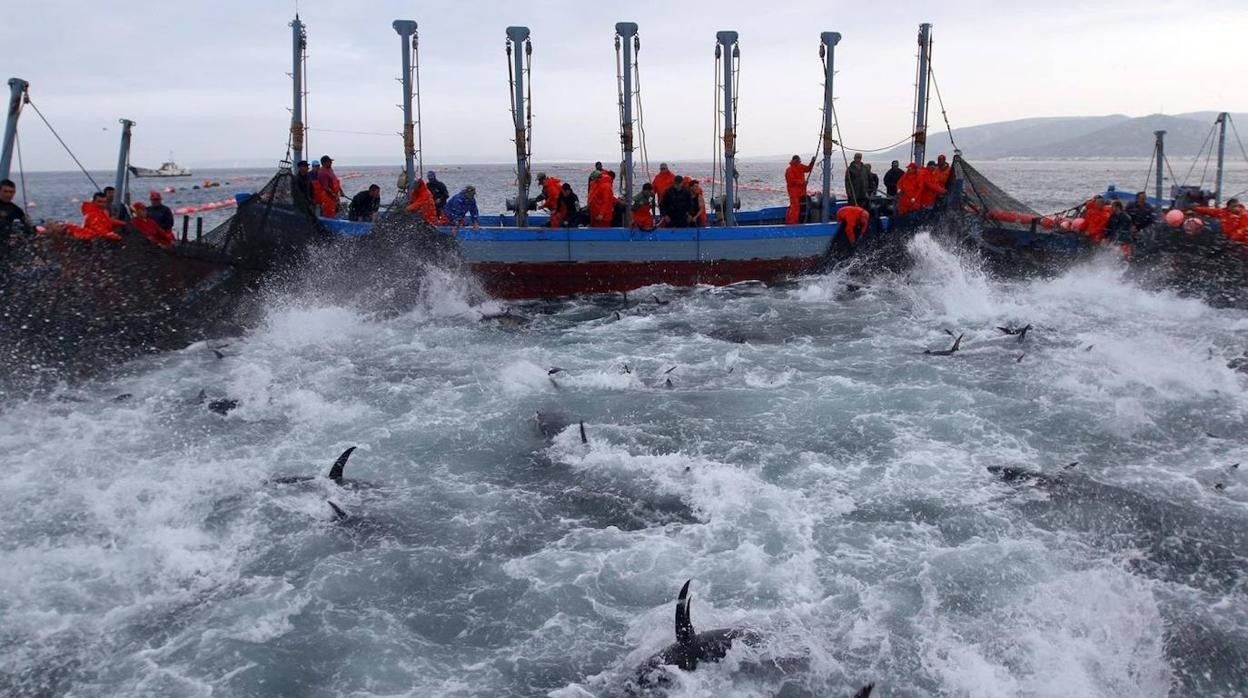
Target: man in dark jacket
(365,204)
(159,212)
(438,189)
(891,177)
(303,181)
(1142,213)
(677,204)
(857,182)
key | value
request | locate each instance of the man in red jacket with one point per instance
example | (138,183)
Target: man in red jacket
(795,182)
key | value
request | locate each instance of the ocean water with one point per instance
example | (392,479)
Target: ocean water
(790,449)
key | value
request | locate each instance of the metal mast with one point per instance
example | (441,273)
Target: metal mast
(17,89)
(920,101)
(299,42)
(516,35)
(123,159)
(1159,151)
(827,44)
(726,41)
(626,31)
(406,29)
(1217,194)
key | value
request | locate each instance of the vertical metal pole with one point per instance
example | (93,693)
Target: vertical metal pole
(728,40)
(17,88)
(298,43)
(518,35)
(123,159)
(1160,152)
(920,106)
(1217,194)
(407,29)
(627,31)
(828,41)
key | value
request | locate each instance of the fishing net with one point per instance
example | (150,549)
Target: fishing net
(273,226)
(981,196)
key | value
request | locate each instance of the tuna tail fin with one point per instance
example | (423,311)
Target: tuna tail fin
(584,439)
(957,343)
(339,514)
(865,691)
(335,472)
(684,625)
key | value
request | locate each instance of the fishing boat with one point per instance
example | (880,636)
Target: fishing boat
(166,169)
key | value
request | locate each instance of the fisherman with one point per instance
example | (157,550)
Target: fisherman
(677,204)
(697,214)
(111,204)
(365,204)
(549,195)
(1118,226)
(908,187)
(857,182)
(795,183)
(1142,213)
(10,213)
(303,180)
(598,170)
(569,209)
(943,171)
(890,179)
(601,199)
(643,208)
(662,181)
(440,193)
(148,227)
(421,202)
(461,208)
(96,223)
(331,187)
(930,188)
(1095,216)
(854,221)
(873,182)
(159,212)
(1233,219)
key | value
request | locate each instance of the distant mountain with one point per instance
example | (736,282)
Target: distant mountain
(1112,136)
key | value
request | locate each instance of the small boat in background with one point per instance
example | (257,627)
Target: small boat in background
(168,169)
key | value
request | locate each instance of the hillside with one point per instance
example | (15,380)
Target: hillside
(1111,136)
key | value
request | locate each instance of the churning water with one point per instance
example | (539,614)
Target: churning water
(790,449)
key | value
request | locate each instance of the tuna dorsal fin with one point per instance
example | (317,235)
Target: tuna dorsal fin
(684,625)
(335,473)
(865,691)
(338,512)
(957,344)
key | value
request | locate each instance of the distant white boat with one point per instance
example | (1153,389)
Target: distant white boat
(168,169)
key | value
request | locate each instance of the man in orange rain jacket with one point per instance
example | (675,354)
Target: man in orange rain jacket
(422,203)
(331,188)
(96,223)
(1096,216)
(943,171)
(1234,219)
(643,208)
(662,181)
(795,182)
(930,187)
(601,200)
(908,187)
(149,228)
(854,221)
(549,196)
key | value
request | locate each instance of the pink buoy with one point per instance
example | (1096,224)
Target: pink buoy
(1065,224)
(1080,224)
(1174,218)
(1192,226)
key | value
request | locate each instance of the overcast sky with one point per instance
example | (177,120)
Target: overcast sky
(207,80)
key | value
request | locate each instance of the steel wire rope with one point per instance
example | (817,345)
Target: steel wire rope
(619,104)
(716,172)
(1199,152)
(420,138)
(21,172)
(641,122)
(62,142)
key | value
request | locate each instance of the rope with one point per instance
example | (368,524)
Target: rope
(619,103)
(716,171)
(62,142)
(641,122)
(357,133)
(1207,141)
(1237,140)
(836,123)
(876,150)
(931,73)
(420,139)
(21,172)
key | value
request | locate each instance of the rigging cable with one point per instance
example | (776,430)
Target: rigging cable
(420,139)
(62,141)
(716,171)
(1201,150)
(641,123)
